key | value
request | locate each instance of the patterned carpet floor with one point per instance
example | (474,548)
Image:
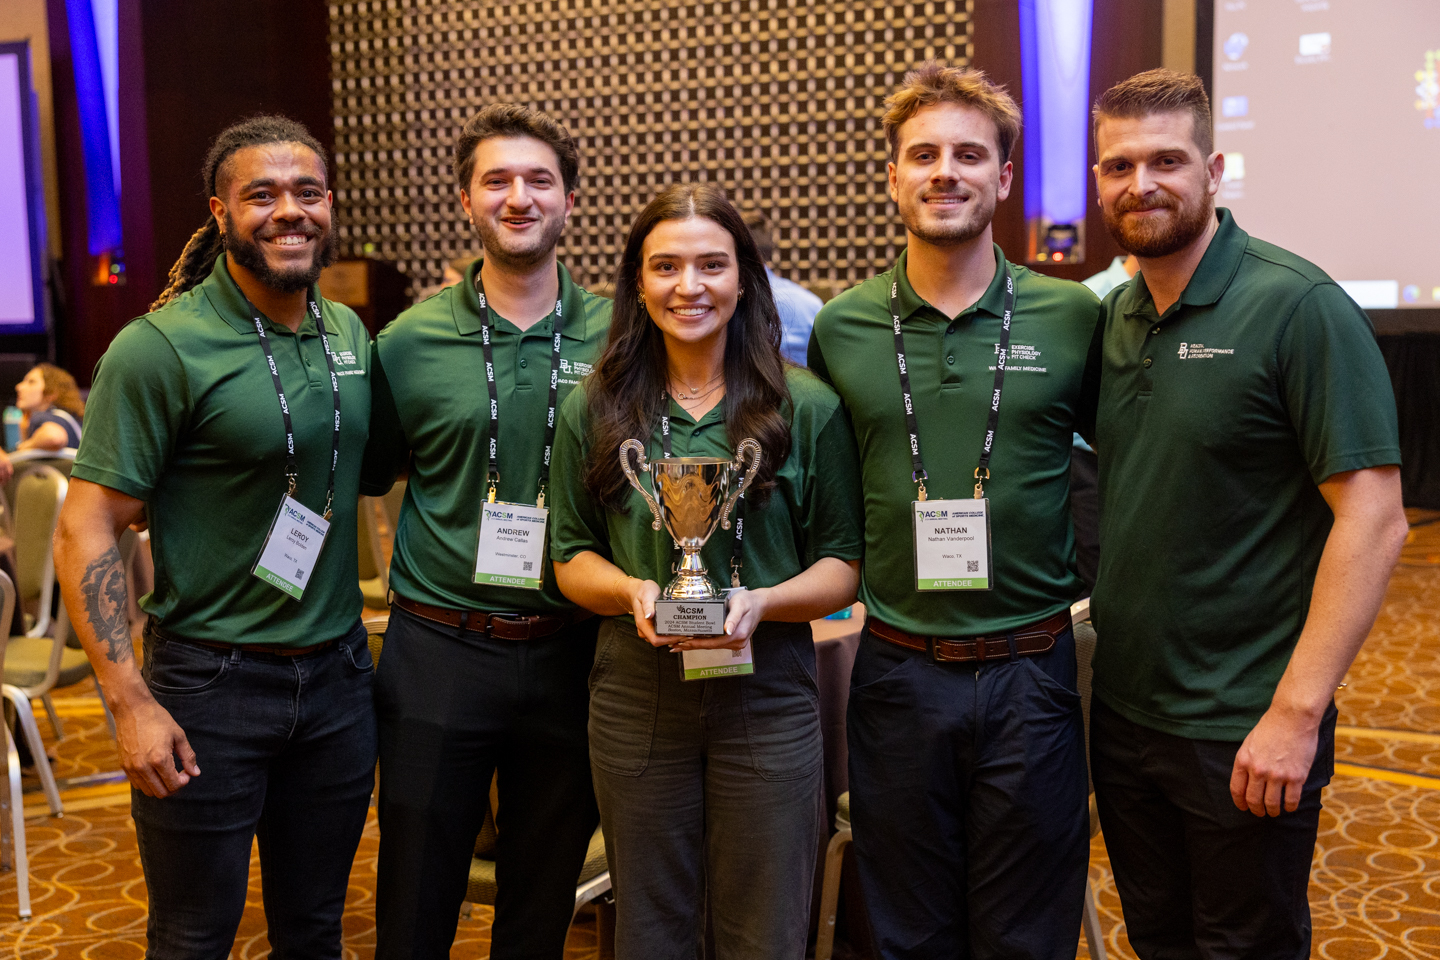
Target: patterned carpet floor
(1374,887)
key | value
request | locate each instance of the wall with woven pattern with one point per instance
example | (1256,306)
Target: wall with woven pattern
(778,101)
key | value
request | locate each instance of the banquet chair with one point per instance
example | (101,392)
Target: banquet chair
(835,852)
(13,853)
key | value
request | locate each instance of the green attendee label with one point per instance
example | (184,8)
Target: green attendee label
(952,545)
(292,548)
(511,552)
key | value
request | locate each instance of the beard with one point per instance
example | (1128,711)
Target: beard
(948,232)
(248,254)
(1163,235)
(519,252)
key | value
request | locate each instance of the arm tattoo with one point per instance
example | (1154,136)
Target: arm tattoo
(106,604)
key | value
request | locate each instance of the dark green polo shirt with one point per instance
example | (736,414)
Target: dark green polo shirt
(432,410)
(952,374)
(1215,424)
(183,415)
(812,512)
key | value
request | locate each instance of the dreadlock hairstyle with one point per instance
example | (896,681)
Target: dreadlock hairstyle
(206,244)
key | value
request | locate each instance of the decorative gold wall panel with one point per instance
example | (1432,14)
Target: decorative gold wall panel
(779,102)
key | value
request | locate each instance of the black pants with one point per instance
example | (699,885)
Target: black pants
(968,799)
(454,708)
(286,746)
(1198,877)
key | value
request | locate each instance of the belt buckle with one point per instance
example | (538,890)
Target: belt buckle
(517,627)
(936,655)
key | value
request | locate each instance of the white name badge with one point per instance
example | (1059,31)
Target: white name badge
(292,548)
(710,664)
(952,545)
(512,545)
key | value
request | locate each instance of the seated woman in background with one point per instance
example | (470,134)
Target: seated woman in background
(50,400)
(709,790)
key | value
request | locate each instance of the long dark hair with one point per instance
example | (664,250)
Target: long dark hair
(205,245)
(625,389)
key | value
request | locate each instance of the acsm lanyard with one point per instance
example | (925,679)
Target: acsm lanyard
(982,472)
(735,556)
(492,426)
(292,468)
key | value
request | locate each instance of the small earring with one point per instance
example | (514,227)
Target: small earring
(641,298)
(742,294)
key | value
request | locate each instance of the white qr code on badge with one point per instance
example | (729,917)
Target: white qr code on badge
(972,566)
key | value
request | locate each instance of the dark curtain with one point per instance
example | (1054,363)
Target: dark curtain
(1414,362)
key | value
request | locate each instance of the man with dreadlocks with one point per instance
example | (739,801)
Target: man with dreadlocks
(234,415)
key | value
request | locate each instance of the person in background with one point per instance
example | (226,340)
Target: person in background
(50,401)
(796,305)
(1120,271)
(710,790)
(1251,516)
(234,415)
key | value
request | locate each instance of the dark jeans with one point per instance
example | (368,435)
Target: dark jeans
(710,790)
(286,749)
(1198,877)
(456,709)
(968,799)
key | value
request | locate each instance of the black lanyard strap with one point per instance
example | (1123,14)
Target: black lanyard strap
(292,468)
(492,426)
(736,559)
(992,426)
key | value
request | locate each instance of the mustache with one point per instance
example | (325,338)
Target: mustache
(1141,204)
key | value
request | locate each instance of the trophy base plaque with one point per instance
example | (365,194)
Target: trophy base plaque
(690,618)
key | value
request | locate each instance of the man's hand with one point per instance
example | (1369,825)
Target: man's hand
(1274,762)
(149,740)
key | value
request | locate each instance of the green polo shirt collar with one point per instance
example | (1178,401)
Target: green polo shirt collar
(224,295)
(467,308)
(992,302)
(1211,278)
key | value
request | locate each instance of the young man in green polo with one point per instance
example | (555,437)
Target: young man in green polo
(485,662)
(967,766)
(233,417)
(1250,518)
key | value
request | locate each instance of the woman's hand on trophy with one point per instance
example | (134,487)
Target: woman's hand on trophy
(643,594)
(746,610)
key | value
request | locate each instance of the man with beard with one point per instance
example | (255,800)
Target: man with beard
(485,665)
(967,765)
(232,417)
(1250,518)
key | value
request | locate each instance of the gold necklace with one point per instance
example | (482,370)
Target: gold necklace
(696,393)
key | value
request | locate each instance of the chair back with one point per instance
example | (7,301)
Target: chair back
(39,494)
(372,564)
(7,612)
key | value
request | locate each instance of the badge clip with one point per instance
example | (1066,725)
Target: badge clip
(920,476)
(980,483)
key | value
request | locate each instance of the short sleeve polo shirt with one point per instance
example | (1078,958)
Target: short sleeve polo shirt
(1216,422)
(432,409)
(951,362)
(183,415)
(812,512)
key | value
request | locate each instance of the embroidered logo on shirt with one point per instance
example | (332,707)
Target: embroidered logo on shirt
(1198,351)
(346,358)
(1024,358)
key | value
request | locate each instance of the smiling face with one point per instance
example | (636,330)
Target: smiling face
(1156,189)
(274,211)
(517,200)
(30,392)
(948,176)
(690,279)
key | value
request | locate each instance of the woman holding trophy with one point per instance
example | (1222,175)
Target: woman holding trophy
(704,725)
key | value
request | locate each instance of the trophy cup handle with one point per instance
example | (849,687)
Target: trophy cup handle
(748,450)
(639,449)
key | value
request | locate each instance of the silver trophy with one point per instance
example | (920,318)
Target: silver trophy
(692,496)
